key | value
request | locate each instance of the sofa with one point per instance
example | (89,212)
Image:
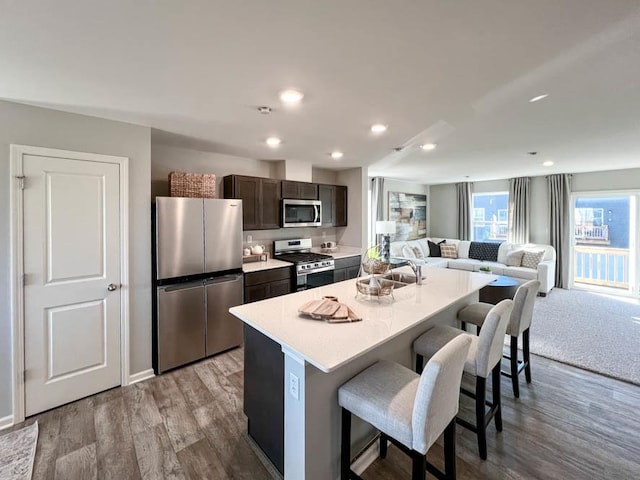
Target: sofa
(501,258)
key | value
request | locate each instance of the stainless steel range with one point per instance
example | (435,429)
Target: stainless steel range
(312,269)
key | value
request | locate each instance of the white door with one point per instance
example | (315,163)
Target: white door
(71,256)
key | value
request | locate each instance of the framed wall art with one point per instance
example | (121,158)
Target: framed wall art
(409,211)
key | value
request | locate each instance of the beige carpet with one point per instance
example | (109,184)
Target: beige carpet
(596,332)
(17,451)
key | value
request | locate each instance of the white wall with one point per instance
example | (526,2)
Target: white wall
(22,124)
(443,198)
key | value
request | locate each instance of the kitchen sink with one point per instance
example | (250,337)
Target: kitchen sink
(403,278)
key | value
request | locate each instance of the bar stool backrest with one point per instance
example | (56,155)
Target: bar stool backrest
(491,338)
(437,399)
(523,302)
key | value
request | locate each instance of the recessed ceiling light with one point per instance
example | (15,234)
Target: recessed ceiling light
(378,128)
(337,155)
(539,97)
(547,163)
(291,96)
(428,146)
(273,141)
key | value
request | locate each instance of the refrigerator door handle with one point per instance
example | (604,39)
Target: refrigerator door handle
(224,279)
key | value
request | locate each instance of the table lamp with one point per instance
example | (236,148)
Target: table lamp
(385,228)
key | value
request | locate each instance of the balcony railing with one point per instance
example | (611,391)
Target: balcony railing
(592,233)
(608,267)
(490,230)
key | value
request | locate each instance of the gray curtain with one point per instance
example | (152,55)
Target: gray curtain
(519,209)
(377,206)
(559,227)
(464,210)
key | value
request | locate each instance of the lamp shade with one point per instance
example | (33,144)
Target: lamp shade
(385,228)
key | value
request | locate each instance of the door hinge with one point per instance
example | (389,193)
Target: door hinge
(20,179)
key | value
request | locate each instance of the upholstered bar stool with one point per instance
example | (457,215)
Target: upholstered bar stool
(519,324)
(483,359)
(410,410)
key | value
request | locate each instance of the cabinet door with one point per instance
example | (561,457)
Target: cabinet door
(290,189)
(269,204)
(248,190)
(254,293)
(281,287)
(340,206)
(308,191)
(352,272)
(326,196)
(339,275)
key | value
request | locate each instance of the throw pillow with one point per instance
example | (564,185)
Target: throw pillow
(485,251)
(514,258)
(417,252)
(407,252)
(434,248)
(532,259)
(449,250)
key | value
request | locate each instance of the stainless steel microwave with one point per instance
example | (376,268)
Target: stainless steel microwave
(301,213)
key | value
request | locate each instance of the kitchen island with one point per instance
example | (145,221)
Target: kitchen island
(317,357)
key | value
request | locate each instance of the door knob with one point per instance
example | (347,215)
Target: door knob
(111,287)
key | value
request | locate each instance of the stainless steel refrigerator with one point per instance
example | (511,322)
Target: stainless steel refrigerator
(198,277)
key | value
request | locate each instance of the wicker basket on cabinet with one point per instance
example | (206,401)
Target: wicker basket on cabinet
(194,185)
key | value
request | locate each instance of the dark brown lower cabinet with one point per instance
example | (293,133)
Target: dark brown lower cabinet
(267,284)
(264,394)
(346,268)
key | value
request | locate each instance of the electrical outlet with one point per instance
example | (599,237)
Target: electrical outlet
(294,386)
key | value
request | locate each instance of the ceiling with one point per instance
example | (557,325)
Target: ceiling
(456,73)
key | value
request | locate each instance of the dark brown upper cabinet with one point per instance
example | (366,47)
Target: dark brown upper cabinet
(299,190)
(334,205)
(260,200)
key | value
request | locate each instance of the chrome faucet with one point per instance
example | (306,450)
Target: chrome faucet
(417,270)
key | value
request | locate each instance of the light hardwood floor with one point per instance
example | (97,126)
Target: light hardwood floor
(188,424)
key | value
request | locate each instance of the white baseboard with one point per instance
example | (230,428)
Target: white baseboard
(366,458)
(140,376)
(6,422)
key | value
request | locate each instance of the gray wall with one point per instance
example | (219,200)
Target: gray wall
(166,158)
(443,199)
(26,125)
(405,187)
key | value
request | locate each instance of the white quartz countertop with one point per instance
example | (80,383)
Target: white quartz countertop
(328,346)
(342,251)
(268,265)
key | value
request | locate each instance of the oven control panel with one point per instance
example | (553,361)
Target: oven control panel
(312,267)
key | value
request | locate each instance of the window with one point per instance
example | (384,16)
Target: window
(489,223)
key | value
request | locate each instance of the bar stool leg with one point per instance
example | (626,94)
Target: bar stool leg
(525,353)
(345,449)
(419,364)
(419,466)
(450,451)
(514,367)
(481,425)
(383,445)
(495,379)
